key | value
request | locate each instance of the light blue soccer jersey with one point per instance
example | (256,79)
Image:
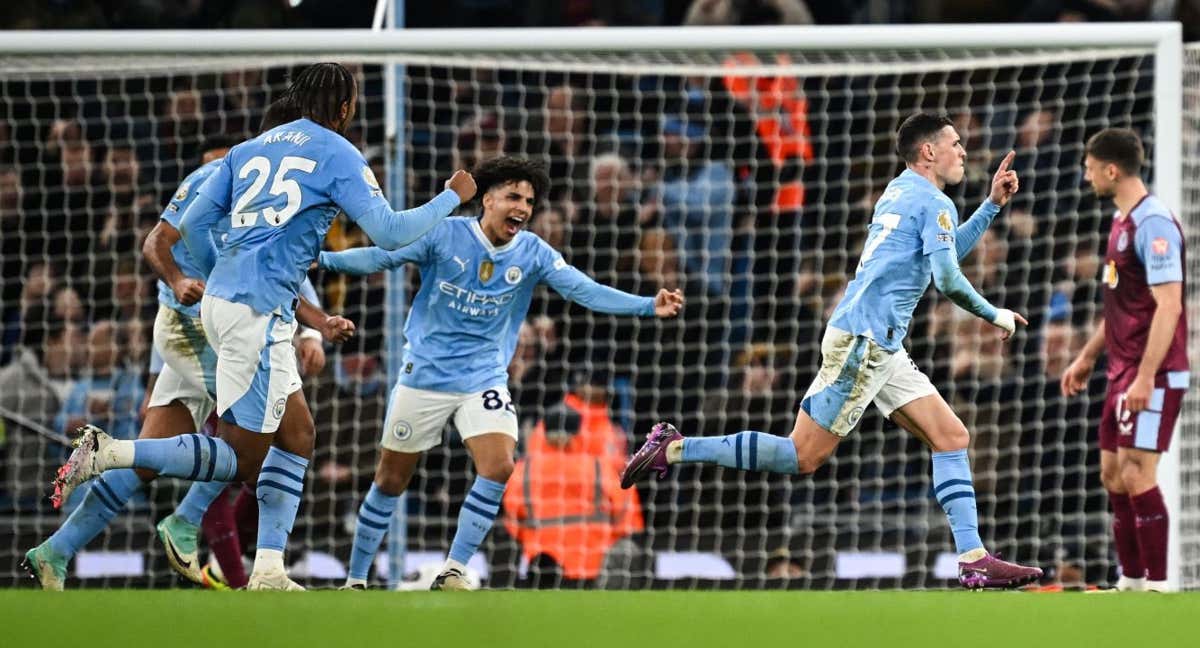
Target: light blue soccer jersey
(912,219)
(183,197)
(280,192)
(462,329)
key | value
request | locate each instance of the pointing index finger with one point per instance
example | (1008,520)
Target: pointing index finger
(1006,161)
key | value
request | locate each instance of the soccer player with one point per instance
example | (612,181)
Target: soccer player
(912,236)
(1144,335)
(279,192)
(182,394)
(477,278)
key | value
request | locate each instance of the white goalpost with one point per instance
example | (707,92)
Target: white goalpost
(739,164)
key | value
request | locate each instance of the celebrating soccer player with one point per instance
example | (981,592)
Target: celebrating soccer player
(1144,334)
(280,192)
(913,235)
(181,397)
(477,278)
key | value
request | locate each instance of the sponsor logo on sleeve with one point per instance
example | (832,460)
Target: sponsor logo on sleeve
(368,177)
(1160,246)
(943,220)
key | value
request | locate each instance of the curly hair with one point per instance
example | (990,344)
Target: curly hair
(319,91)
(500,171)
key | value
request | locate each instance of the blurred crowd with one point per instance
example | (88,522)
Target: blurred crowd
(752,194)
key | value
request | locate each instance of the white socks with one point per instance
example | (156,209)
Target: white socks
(454,564)
(972,555)
(268,560)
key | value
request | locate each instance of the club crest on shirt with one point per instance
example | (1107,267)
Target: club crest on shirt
(1123,241)
(368,177)
(1159,246)
(943,220)
(486,269)
(513,275)
(1110,274)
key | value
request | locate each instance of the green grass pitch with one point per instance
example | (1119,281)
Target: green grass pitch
(185,618)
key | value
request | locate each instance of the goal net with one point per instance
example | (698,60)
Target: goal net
(743,176)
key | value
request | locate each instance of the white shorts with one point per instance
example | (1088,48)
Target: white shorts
(256,363)
(856,371)
(416,417)
(189,367)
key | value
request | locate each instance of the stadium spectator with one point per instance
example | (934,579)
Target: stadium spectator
(105,392)
(37,286)
(480,137)
(180,128)
(564,504)
(696,197)
(32,389)
(565,142)
(551,223)
(597,435)
(534,376)
(67,304)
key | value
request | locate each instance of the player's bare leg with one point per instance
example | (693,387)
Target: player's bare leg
(814,444)
(392,476)
(1138,470)
(493,456)
(931,420)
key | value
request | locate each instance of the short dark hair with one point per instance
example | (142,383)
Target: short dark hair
(281,111)
(500,171)
(320,90)
(1119,146)
(916,130)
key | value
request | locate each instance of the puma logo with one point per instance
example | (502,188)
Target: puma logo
(462,264)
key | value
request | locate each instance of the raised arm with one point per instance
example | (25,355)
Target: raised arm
(355,189)
(394,229)
(1004,185)
(572,284)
